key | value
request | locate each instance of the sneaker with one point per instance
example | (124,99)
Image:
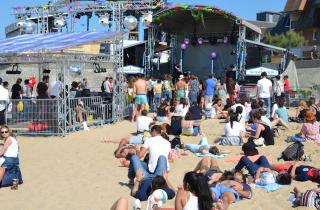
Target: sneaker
(137,204)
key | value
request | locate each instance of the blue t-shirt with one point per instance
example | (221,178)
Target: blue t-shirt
(210,86)
(301,173)
(282,113)
(144,190)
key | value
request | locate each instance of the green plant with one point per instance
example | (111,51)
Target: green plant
(288,40)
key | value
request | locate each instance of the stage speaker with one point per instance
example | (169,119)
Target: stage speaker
(254,57)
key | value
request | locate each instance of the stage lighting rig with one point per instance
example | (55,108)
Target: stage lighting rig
(59,21)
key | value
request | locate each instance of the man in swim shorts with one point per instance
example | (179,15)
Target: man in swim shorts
(140,91)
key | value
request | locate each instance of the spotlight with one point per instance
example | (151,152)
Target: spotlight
(21,23)
(75,69)
(29,27)
(200,41)
(147,19)
(59,22)
(225,40)
(104,20)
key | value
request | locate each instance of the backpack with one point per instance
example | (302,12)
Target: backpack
(102,87)
(293,152)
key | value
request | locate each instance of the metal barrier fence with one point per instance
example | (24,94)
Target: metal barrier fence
(35,116)
(58,116)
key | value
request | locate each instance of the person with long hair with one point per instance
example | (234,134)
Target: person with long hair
(195,194)
(182,108)
(189,126)
(218,107)
(234,131)
(9,153)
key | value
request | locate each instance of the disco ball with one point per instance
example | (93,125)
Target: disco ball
(75,69)
(104,20)
(29,27)
(130,22)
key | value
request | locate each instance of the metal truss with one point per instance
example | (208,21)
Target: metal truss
(241,53)
(42,13)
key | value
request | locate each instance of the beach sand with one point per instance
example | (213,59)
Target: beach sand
(80,172)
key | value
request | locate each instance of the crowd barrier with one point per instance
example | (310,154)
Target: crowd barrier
(58,116)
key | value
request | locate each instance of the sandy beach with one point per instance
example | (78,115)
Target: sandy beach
(80,172)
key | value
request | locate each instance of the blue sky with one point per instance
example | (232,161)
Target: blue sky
(246,9)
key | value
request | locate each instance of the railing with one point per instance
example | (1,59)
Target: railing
(58,116)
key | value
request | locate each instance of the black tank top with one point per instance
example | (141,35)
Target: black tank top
(267,134)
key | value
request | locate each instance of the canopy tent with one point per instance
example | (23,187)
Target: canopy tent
(257,71)
(51,42)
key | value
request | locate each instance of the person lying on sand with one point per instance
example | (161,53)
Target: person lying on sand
(309,198)
(298,171)
(204,148)
(261,171)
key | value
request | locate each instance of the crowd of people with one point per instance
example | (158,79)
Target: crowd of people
(177,109)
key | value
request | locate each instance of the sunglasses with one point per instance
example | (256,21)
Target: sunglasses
(4,132)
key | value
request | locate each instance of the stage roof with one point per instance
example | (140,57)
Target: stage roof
(195,20)
(51,42)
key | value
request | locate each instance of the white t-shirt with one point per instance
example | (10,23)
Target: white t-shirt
(180,110)
(143,123)
(235,130)
(263,86)
(157,147)
(55,88)
(107,86)
(274,109)
(4,98)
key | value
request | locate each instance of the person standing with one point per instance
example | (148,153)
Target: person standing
(140,91)
(4,101)
(55,88)
(42,88)
(278,88)
(16,90)
(26,90)
(181,87)
(108,87)
(167,88)
(231,86)
(210,87)
(314,53)
(264,89)
(287,89)
(194,87)
(157,94)
(150,92)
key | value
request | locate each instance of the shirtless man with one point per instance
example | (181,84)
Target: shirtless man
(140,91)
(181,87)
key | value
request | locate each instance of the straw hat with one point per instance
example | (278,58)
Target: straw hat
(310,116)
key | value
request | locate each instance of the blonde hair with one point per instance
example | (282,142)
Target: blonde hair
(303,103)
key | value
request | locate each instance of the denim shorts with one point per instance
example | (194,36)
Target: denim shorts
(219,189)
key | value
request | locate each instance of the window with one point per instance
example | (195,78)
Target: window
(316,35)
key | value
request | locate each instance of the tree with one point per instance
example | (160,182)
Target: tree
(288,40)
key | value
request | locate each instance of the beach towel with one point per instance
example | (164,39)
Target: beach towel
(270,187)
(211,155)
(236,159)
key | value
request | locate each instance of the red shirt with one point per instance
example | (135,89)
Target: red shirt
(286,84)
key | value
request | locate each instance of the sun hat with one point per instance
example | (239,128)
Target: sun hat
(310,116)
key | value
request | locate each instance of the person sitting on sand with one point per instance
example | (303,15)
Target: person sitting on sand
(189,126)
(234,131)
(309,198)
(262,129)
(162,111)
(9,153)
(144,122)
(144,186)
(158,149)
(182,108)
(261,171)
(195,194)
(300,112)
(281,111)
(298,171)
(218,107)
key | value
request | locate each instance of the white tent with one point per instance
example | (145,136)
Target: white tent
(291,72)
(257,71)
(132,70)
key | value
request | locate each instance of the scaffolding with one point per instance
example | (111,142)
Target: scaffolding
(62,117)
